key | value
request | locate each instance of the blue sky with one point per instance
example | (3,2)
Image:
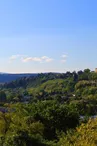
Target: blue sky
(48,35)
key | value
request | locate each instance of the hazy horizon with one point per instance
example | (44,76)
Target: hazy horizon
(44,72)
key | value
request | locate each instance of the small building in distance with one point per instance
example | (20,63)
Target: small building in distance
(96,70)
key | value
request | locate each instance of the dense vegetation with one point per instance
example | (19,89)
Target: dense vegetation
(49,110)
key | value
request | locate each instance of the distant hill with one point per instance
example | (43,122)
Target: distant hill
(6,77)
(33,80)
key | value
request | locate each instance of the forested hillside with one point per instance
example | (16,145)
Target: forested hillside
(50,109)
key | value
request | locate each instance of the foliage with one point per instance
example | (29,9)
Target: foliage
(84,135)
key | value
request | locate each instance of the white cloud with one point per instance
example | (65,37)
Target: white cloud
(25,58)
(14,57)
(47,59)
(28,59)
(64,58)
(37,59)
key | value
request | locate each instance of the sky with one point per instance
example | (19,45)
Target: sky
(48,35)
